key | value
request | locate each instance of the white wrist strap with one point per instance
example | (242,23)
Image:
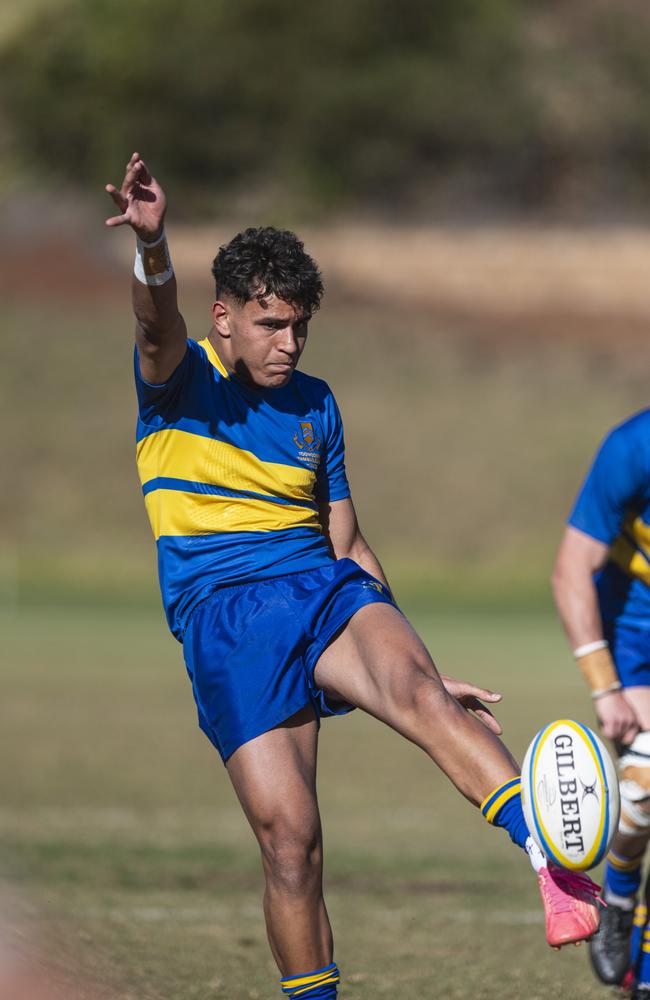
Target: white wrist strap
(152,265)
(590,647)
(602,692)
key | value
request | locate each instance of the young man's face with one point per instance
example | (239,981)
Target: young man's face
(260,341)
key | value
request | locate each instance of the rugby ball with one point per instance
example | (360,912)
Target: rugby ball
(570,795)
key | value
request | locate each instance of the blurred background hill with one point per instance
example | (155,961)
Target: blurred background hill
(473,176)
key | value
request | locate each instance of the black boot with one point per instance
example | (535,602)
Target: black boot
(609,949)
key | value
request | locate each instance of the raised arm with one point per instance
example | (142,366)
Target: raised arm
(160,330)
(579,557)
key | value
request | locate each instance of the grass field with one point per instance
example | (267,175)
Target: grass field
(129,873)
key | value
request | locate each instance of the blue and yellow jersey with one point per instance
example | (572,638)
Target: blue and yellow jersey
(613,506)
(233,476)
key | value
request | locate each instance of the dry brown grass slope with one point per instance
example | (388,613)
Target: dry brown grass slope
(476,369)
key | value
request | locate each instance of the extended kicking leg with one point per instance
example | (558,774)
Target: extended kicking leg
(274,777)
(379,664)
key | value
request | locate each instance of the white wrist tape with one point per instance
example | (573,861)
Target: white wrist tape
(152,265)
(590,647)
(602,692)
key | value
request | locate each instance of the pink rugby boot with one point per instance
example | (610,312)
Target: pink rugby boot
(569,905)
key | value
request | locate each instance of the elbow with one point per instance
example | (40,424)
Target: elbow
(560,582)
(358,550)
(556,580)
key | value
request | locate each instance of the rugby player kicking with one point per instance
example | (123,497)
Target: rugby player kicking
(601,583)
(283,610)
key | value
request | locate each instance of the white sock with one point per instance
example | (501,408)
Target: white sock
(624,902)
(537,859)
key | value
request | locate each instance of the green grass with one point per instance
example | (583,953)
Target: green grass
(129,871)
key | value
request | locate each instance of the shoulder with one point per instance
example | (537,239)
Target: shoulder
(201,360)
(198,349)
(634,428)
(315,391)
(629,440)
(310,383)
(621,467)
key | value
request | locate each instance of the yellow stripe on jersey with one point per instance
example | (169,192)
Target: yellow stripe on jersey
(633,558)
(178,454)
(640,915)
(174,512)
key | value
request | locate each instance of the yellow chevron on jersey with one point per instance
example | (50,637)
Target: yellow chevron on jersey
(631,550)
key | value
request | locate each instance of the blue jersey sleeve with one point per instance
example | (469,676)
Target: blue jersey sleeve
(158,402)
(332,482)
(617,477)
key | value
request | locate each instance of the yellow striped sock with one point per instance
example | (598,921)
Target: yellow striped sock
(318,985)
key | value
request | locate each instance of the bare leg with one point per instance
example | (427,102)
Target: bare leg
(632,843)
(275,780)
(379,663)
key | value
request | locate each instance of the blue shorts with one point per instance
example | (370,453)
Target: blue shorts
(251,650)
(630,649)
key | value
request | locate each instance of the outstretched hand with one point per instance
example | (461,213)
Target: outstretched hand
(471,697)
(141,201)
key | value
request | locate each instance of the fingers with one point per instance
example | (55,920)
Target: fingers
(134,187)
(473,690)
(490,723)
(484,694)
(628,735)
(131,178)
(117,220)
(144,177)
(485,715)
(117,197)
(136,173)
(622,730)
(460,689)
(122,204)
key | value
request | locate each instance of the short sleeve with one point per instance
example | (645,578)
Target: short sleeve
(161,401)
(332,482)
(616,478)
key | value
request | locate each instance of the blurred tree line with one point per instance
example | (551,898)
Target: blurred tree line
(348,103)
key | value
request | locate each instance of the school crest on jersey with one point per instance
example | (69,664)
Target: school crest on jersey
(307,443)
(305,439)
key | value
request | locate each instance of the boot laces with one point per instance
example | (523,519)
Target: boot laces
(572,886)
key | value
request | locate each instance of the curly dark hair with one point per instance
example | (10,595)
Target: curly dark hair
(268,261)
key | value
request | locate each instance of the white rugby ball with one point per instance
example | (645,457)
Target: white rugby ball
(570,795)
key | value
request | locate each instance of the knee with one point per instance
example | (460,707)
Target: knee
(292,856)
(634,769)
